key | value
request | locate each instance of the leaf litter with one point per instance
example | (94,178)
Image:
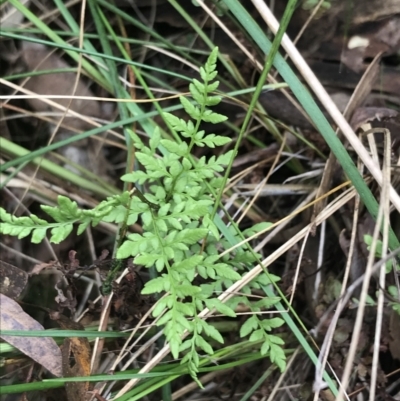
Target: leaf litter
(43,350)
(373,23)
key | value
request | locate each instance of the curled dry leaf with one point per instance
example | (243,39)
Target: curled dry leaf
(364,115)
(77,348)
(128,302)
(43,350)
(12,280)
(42,266)
(66,287)
(384,121)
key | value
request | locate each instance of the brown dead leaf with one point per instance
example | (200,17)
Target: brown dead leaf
(42,266)
(12,280)
(99,397)
(343,330)
(38,58)
(365,115)
(371,10)
(394,329)
(86,152)
(326,395)
(128,303)
(278,106)
(66,287)
(79,349)
(43,350)
(369,40)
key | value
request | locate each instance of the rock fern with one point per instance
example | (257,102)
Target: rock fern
(179,236)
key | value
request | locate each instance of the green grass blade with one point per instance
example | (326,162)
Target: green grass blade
(23,155)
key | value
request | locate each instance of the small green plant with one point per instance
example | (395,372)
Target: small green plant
(394,298)
(395,301)
(392,294)
(311,4)
(378,253)
(180,238)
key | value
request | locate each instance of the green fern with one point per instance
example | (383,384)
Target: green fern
(179,236)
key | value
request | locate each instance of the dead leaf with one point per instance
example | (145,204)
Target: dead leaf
(86,152)
(99,397)
(37,58)
(12,280)
(128,302)
(343,330)
(394,343)
(42,266)
(43,350)
(331,75)
(371,10)
(66,287)
(79,349)
(10,16)
(369,40)
(278,106)
(364,115)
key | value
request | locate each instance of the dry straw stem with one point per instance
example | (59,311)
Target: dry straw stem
(383,216)
(345,295)
(212,376)
(382,272)
(324,351)
(278,223)
(58,106)
(372,165)
(94,98)
(326,100)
